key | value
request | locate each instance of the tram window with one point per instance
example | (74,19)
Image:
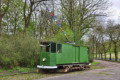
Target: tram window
(59,48)
(53,47)
(88,50)
(45,47)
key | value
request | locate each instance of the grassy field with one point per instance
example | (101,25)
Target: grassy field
(23,74)
(30,76)
(113,55)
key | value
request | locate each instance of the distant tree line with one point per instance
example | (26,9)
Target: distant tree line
(107,41)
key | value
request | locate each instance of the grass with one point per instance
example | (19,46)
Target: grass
(17,70)
(21,73)
(94,65)
(112,55)
(108,55)
(23,69)
(104,73)
(31,76)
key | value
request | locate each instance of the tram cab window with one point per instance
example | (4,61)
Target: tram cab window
(45,47)
(88,50)
(59,48)
(53,47)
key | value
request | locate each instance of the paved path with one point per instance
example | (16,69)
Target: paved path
(110,72)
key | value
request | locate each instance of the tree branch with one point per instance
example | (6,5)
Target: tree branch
(8,2)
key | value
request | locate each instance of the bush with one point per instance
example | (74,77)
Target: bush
(19,51)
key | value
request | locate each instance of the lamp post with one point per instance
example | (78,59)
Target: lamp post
(75,31)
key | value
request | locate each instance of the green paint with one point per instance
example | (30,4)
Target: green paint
(84,55)
(70,54)
(47,56)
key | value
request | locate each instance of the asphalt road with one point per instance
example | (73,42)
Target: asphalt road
(110,72)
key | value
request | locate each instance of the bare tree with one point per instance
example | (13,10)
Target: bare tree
(29,8)
(99,38)
(109,33)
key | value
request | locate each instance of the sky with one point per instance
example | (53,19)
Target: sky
(114,11)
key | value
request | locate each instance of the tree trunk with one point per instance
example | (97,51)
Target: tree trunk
(15,25)
(2,13)
(26,26)
(24,33)
(8,29)
(101,56)
(110,50)
(0,25)
(105,55)
(115,51)
(71,14)
(96,51)
(0,20)
(110,56)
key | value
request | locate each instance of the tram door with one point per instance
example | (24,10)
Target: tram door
(77,53)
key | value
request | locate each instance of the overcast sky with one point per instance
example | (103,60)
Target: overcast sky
(114,10)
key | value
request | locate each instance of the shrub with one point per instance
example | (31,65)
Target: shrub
(19,51)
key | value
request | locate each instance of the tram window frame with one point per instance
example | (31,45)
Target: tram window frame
(53,47)
(59,48)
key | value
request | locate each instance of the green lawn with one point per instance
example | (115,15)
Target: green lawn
(108,55)
(113,55)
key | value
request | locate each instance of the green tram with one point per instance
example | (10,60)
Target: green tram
(63,56)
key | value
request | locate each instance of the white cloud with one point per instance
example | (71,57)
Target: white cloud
(114,10)
(116,4)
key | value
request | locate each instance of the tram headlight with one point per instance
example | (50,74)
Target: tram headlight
(44,59)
